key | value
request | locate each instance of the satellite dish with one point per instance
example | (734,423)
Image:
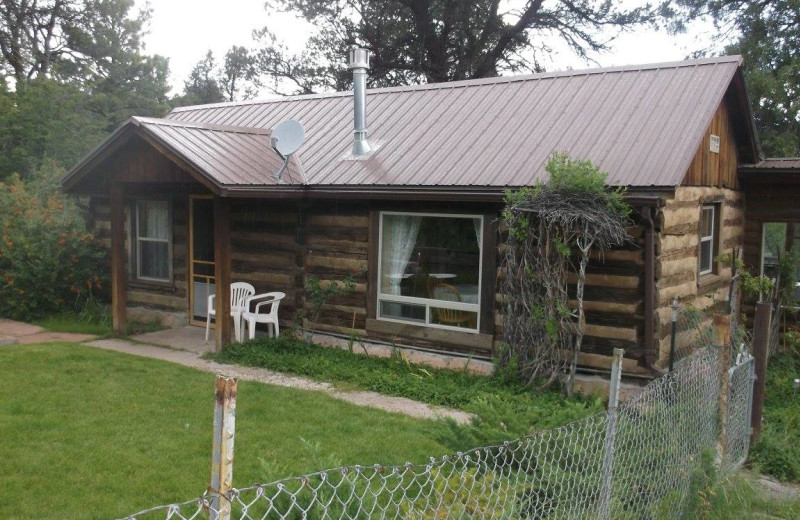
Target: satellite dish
(287,137)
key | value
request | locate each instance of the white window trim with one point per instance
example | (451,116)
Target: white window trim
(140,239)
(428,302)
(708,238)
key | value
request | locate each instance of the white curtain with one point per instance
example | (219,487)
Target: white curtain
(399,238)
(477,223)
(154,219)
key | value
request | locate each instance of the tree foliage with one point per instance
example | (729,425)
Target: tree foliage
(418,41)
(553,228)
(48,262)
(767,35)
(76,69)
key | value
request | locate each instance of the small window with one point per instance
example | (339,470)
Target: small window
(708,237)
(153,248)
(429,269)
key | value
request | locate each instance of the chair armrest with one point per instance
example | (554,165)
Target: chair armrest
(211,300)
(272,299)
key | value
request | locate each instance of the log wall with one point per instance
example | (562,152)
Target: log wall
(172,296)
(677,267)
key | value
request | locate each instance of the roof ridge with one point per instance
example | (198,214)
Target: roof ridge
(716,60)
(202,126)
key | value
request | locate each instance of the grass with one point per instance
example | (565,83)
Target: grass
(737,496)
(95,434)
(777,450)
(503,408)
(71,323)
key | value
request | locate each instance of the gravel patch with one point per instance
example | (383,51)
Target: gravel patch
(260,375)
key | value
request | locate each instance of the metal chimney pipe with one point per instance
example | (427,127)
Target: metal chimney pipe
(359,63)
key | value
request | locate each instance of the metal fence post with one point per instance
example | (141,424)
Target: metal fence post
(222,455)
(722,341)
(611,432)
(673,334)
(760,351)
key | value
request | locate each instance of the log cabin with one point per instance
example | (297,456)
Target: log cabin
(409,203)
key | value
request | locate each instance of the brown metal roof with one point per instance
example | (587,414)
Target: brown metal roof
(774,163)
(641,124)
(226,155)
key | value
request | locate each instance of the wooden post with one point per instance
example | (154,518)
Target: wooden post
(722,340)
(118,274)
(222,273)
(222,456)
(760,349)
(611,433)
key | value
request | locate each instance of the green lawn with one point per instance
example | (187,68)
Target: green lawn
(503,408)
(88,433)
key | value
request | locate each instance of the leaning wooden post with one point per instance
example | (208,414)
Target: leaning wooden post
(222,455)
(611,433)
(722,341)
(760,349)
(118,274)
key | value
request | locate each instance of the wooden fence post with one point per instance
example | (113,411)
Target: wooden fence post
(611,433)
(222,455)
(722,341)
(761,331)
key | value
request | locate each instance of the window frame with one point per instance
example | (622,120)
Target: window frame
(137,239)
(429,302)
(713,238)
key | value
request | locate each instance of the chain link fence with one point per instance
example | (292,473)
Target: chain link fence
(635,463)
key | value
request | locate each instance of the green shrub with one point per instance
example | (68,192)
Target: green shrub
(49,263)
(777,450)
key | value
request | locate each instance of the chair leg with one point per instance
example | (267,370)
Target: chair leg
(237,329)
(249,328)
(277,329)
(208,325)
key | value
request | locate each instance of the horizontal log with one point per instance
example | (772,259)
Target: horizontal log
(612,307)
(161,300)
(265,259)
(284,279)
(602,331)
(316,243)
(349,221)
(465,340)
(605,280)
(354,264)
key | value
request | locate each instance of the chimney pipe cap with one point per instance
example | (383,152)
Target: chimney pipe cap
(359,58)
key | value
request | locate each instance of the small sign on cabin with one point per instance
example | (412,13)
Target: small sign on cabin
(714,143)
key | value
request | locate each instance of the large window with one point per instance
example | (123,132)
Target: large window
(429,269)
(152,247)
(709,234)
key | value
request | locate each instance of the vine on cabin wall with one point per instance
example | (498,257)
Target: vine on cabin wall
(553,228)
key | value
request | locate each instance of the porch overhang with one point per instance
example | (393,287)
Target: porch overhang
(217,157)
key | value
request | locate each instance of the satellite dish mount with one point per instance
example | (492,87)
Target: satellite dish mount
(287,137)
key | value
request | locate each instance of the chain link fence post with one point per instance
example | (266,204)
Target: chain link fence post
(611,432)
(722,341)
(222,454)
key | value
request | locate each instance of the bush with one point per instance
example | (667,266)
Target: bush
(777,450)
(49,263)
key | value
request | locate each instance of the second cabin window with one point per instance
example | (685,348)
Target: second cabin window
(709,234)
(429,269)
(152,246)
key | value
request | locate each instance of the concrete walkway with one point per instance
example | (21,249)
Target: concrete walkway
(17,332)
(192,359)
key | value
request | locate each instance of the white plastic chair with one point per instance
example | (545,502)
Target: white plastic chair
(270,316)
(240,292)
